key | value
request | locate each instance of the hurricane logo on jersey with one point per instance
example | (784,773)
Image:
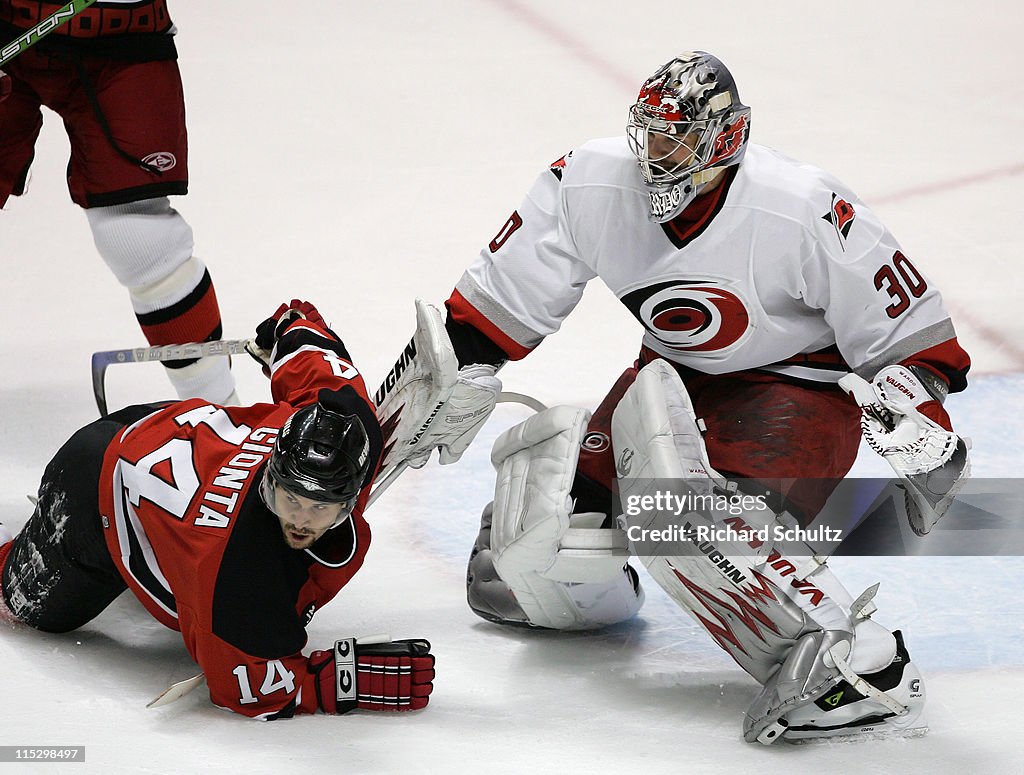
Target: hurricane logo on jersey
(841,215)
(557,167)
(691,316)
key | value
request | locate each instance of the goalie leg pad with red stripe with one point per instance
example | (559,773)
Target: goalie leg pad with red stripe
(776,609)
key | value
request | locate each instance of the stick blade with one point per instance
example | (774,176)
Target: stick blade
(176,691)
(100,361)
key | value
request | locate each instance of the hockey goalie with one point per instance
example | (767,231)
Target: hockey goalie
(777,309)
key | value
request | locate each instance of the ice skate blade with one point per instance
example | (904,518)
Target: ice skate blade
(853,735)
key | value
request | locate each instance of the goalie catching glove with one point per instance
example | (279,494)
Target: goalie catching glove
(905,423)
(395,676)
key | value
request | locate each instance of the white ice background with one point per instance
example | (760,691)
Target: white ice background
(359,154)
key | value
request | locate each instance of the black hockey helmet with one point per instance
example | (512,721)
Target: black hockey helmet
(321,454)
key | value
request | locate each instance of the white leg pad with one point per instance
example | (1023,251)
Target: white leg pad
(783,617)
(565,572)
(655,431)
(586,552)
(535,463)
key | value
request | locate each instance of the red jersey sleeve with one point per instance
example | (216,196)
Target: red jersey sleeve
(309,358)
(948,361)
(265,689)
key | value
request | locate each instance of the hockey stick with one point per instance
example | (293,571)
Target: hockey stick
(388,398)
(169,352)
(521,398)
(45,27)
(172,352)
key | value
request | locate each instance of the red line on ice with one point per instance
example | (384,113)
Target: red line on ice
(942,186)
(570,43)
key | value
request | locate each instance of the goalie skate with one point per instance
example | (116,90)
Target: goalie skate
(844,711)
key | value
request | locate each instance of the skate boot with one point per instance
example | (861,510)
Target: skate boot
(846,711)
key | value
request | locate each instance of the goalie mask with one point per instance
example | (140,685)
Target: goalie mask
(320,455)
(686,126)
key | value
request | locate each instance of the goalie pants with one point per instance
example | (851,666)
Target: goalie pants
(58,573)
(761,427)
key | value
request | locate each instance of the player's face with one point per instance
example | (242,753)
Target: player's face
(302,519)
(672,152)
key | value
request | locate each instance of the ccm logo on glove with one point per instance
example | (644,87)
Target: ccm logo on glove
(345,670)
(392,676)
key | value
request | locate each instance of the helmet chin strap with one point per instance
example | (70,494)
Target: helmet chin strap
(702,178)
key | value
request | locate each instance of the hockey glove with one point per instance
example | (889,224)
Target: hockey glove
(907,426)
(273,328)
(5,86)
(461,417)
(397,675)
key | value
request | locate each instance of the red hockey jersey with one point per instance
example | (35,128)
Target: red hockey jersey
(104,18)
(190,534)
(126,30)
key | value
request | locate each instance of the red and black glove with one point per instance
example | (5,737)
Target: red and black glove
(5,86)
(397,675)
(273,328)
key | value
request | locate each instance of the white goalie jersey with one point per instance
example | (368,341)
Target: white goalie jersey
(780,268)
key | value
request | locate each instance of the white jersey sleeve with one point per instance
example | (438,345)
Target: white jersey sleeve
(529,277)
(880,306)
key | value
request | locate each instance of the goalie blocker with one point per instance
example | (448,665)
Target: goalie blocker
(426,402)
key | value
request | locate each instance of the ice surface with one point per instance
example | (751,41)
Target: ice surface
(359,154)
